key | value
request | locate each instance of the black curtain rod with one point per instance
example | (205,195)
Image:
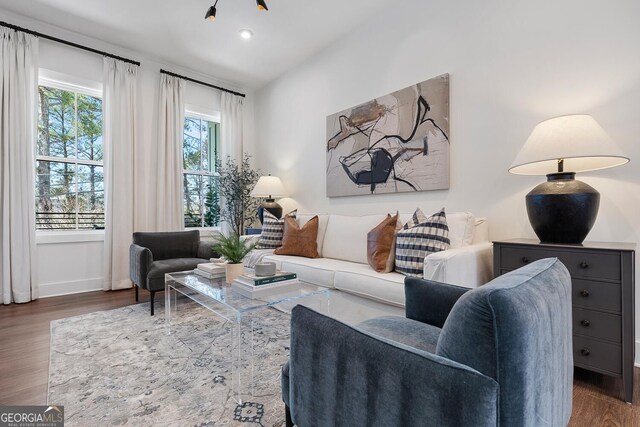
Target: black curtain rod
(202,83)
(68,43)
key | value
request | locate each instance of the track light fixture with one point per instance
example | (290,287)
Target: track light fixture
(211,12)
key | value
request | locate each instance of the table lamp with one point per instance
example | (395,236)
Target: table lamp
(269,187)
(563,209)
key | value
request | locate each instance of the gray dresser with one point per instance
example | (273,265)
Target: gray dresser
(603,284)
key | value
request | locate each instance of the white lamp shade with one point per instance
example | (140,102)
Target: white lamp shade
(577,139)
(269,186)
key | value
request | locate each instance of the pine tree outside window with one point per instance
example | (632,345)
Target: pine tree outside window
(69,183)
(200,148)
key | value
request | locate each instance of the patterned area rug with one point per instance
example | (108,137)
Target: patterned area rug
(120,367)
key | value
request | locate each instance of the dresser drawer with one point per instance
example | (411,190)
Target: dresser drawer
(581,264)
(589,353)
(596,324)
(599,295)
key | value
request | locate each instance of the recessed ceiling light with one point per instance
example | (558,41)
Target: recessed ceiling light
(246,34)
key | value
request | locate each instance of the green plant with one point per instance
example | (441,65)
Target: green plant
(212,206)
(236,180)
(233,248)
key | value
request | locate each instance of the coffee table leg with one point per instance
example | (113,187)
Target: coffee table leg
(249,354)
(237,359)
(167,306)
(243,358)
(170,303)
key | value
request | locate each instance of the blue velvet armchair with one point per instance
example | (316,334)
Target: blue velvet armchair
(500,354)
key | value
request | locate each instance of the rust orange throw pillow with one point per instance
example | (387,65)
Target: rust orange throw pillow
(381,243)
(299,241)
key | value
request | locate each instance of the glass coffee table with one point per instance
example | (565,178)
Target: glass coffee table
(242,312)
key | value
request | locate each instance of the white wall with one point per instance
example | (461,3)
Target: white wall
(511,64)
(69,262)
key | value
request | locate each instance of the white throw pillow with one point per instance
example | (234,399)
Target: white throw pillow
(346,237)
(461,228)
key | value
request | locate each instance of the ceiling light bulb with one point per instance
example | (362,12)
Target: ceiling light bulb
(211,13)
(246,34)
(261,5)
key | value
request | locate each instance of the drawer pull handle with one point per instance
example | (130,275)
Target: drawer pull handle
(525,259)
(584,265)
(585,352)
(585,323)
(584,293)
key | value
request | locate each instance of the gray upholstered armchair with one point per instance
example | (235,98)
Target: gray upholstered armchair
(151,255)
(499,354)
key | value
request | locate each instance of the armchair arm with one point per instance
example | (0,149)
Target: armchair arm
(468,266)
(342,376)
(140,259)
(205,249)
(430,302)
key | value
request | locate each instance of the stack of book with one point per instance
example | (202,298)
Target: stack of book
(210,270)
(251,285)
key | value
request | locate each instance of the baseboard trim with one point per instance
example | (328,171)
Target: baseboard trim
(637,361)
(47,290)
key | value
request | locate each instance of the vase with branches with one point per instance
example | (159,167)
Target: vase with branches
(236,180)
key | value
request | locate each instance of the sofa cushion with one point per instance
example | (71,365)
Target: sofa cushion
(272,230)
(381,242)
(318,271)
(346,237)
(361,280)
(415,242)
(299,241)
(323,220)
(155,277)
(405,331)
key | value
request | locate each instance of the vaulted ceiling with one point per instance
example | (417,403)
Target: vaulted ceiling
(176,31)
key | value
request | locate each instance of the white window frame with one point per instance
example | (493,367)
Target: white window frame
(78,86)
(194,112)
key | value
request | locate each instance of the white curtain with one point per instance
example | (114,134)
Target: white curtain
(169,181)
(230,135)
(231,127)
(119,136)
(18,106)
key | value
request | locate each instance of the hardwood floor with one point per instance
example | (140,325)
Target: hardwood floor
(24,340)
(24,359)
(597,400)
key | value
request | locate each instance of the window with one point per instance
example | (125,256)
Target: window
(201,201)
(69,172)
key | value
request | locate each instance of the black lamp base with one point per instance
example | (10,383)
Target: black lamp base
(562,210)
(272,207)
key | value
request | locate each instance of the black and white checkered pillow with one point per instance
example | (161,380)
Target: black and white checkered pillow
(418,238)
(272,230)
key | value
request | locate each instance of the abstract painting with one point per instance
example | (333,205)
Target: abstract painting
(393,144)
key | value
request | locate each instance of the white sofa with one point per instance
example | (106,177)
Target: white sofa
(342,245)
